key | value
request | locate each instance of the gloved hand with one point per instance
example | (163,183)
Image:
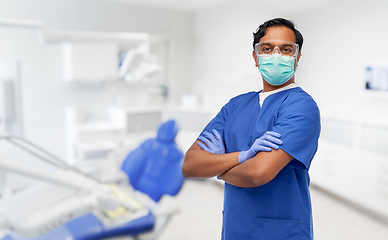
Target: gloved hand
(270,140)
(214,143)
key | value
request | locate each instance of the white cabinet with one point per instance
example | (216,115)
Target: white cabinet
(90,61)
(352,162)
(97,61)
(97,56)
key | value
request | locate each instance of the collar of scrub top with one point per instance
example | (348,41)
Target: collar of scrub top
(264,95)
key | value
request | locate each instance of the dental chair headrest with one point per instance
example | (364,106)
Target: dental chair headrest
(167,131)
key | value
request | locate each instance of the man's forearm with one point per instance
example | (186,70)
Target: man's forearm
(202,164)
(258,170)
(239,176)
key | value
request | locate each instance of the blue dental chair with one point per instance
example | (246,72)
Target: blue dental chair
(154,169)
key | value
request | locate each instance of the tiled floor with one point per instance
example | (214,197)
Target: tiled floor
(200,202)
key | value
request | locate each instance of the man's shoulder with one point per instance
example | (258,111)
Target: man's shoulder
(298,102)
(244,97)
(240,101)
(299,96)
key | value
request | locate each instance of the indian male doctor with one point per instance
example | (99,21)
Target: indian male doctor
(262,143)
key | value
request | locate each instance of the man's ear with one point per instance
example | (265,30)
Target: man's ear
(255,58)
(297,59)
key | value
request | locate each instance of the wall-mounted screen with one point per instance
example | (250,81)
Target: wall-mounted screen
(376,76)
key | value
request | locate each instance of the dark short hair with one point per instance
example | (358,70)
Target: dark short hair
(262,30)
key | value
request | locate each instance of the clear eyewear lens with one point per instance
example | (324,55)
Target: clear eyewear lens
(284,48)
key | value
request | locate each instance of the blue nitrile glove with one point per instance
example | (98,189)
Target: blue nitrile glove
(214,143)
(267,142)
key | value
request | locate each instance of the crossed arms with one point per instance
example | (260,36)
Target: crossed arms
(255,171)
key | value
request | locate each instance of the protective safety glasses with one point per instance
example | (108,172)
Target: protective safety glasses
(285,48)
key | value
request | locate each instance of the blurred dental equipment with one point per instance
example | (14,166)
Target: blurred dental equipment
(71,205)
(94,146)
(138,64)
(10,97)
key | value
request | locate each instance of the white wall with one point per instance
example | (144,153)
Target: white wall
(45,94)
(224,66)
(341,38)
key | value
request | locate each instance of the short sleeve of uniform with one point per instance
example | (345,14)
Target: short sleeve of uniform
(218,122)
(298,121)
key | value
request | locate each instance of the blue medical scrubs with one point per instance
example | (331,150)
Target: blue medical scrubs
(280,209)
